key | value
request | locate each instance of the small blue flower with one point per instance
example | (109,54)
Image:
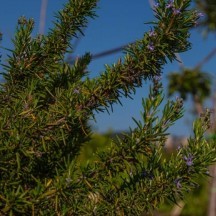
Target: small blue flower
(200,15)
(76,91)
(189,160)
(178,183)
(156,5)
(158,78)
(170,4)
(152,33)
(151,46)
(176,11)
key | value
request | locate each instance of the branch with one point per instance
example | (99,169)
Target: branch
(144,60)
(71,20)
(30,59)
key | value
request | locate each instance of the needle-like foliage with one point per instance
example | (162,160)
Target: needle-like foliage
(45,105)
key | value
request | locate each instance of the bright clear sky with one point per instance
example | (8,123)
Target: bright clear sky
(119,22)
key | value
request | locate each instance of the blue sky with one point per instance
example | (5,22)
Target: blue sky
(119,22)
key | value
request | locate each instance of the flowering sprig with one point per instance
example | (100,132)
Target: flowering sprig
(152,34)
(172,6)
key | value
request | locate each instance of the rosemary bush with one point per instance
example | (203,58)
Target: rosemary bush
(45,105)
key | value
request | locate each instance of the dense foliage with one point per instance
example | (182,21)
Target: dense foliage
(45,105)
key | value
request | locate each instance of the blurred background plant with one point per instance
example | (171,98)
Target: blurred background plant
(208,7)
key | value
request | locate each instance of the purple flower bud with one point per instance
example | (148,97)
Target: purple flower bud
(169,6)
(178,183)
(200,15)
(156,5)
(189,160)
(158,78)
(176,11)
(76,91)
(151,46)
(152,33)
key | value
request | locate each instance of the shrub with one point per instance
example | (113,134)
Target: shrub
(45,105)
